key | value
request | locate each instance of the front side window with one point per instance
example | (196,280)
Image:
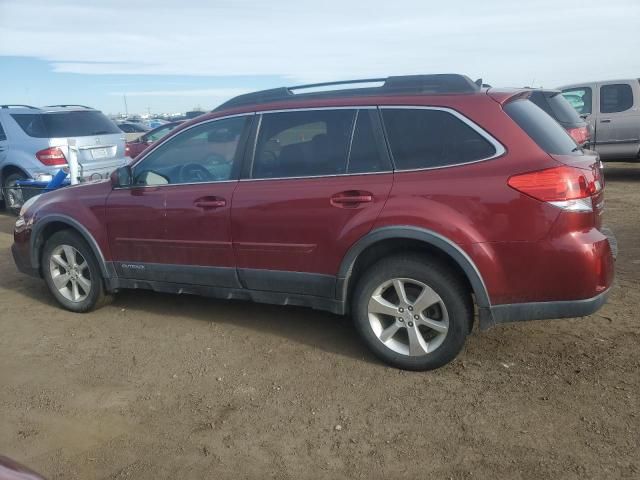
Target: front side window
(426,138)
(579,98)
(204,153)
(615,98)
(303,143)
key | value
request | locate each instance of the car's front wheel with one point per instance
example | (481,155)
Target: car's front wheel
(413,313)
(72,273)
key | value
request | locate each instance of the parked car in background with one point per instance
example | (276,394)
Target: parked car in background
(411,206)
(132,130)
(134,148)
(612,108)
(152,123)
(557,106)
(34,144)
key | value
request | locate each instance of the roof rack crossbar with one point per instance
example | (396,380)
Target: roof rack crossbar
(17,105)
(70,105)
(409,84)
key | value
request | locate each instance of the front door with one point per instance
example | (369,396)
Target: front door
(186,237)
(318,181)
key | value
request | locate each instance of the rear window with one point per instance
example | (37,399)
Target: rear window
(542,129)
(426,138)
(557,106)
(65,124)
(615,98)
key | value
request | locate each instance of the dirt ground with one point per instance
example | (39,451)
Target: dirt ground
(158,386)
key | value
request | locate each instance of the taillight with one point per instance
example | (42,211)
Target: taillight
(51,156)
(565,187)
(580,135)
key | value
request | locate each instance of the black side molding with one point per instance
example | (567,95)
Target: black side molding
(414,233)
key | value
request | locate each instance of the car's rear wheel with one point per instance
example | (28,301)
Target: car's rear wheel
(413,313)
(13,198)
(72,273)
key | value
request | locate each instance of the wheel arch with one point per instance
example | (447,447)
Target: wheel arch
(386,240)
(49,225)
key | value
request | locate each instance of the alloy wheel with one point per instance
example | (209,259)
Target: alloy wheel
(408,316)
(70,273)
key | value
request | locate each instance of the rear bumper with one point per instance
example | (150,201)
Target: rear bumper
(518,312)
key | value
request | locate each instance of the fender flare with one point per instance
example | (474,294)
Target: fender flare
(36,241)
(414,233)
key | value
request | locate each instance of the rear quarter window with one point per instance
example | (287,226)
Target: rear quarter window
(65,124)
(541,128)
(428,138)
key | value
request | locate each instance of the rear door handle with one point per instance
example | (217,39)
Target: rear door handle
(210,202)
(351,198)
(605,120)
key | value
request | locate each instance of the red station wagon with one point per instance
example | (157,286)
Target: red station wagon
(415,206)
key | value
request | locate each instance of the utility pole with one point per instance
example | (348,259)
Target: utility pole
(126,109)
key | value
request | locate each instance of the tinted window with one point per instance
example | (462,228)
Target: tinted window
(365,155)
(3,136)
(422,138)
(556,106)
(615,98)
(205,153)
(542,129)
(579,98)
(65,124)
(303,144)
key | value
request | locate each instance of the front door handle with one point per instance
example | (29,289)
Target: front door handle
(605,120)
(210,202)
(351,198)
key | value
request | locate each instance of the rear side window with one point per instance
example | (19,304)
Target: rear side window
(579,98)
(542,129)
(303,144)
(615,98)
(425,138)
(65,124)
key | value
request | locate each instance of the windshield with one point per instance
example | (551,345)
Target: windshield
(65,124)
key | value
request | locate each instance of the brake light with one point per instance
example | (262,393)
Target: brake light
(579,134)
(51,156)
(565,187)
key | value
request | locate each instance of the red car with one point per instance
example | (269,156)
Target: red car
(407,205)
(137,146)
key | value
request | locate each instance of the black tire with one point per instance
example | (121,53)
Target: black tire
(443,281)
(10,198)
(97,296)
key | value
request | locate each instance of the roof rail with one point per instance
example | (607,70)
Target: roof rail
(70,105)
(408,84)
(17,105)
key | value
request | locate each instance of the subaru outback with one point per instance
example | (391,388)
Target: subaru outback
(417,205)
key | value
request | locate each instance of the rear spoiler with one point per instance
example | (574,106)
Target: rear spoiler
(506,95)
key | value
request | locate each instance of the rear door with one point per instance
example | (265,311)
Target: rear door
(317,181)
(618,122)
(4,145)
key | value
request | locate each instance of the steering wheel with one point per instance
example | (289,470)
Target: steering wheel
(194,172)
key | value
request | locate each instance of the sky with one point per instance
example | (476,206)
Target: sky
(171,56)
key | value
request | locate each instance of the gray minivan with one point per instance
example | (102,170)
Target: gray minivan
(34,144)
(613,109)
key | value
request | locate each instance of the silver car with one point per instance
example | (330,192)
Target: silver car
(34,144)
(612,108)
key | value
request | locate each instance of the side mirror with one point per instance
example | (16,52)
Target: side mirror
(122,177)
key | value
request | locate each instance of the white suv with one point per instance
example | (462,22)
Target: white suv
(34,144)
